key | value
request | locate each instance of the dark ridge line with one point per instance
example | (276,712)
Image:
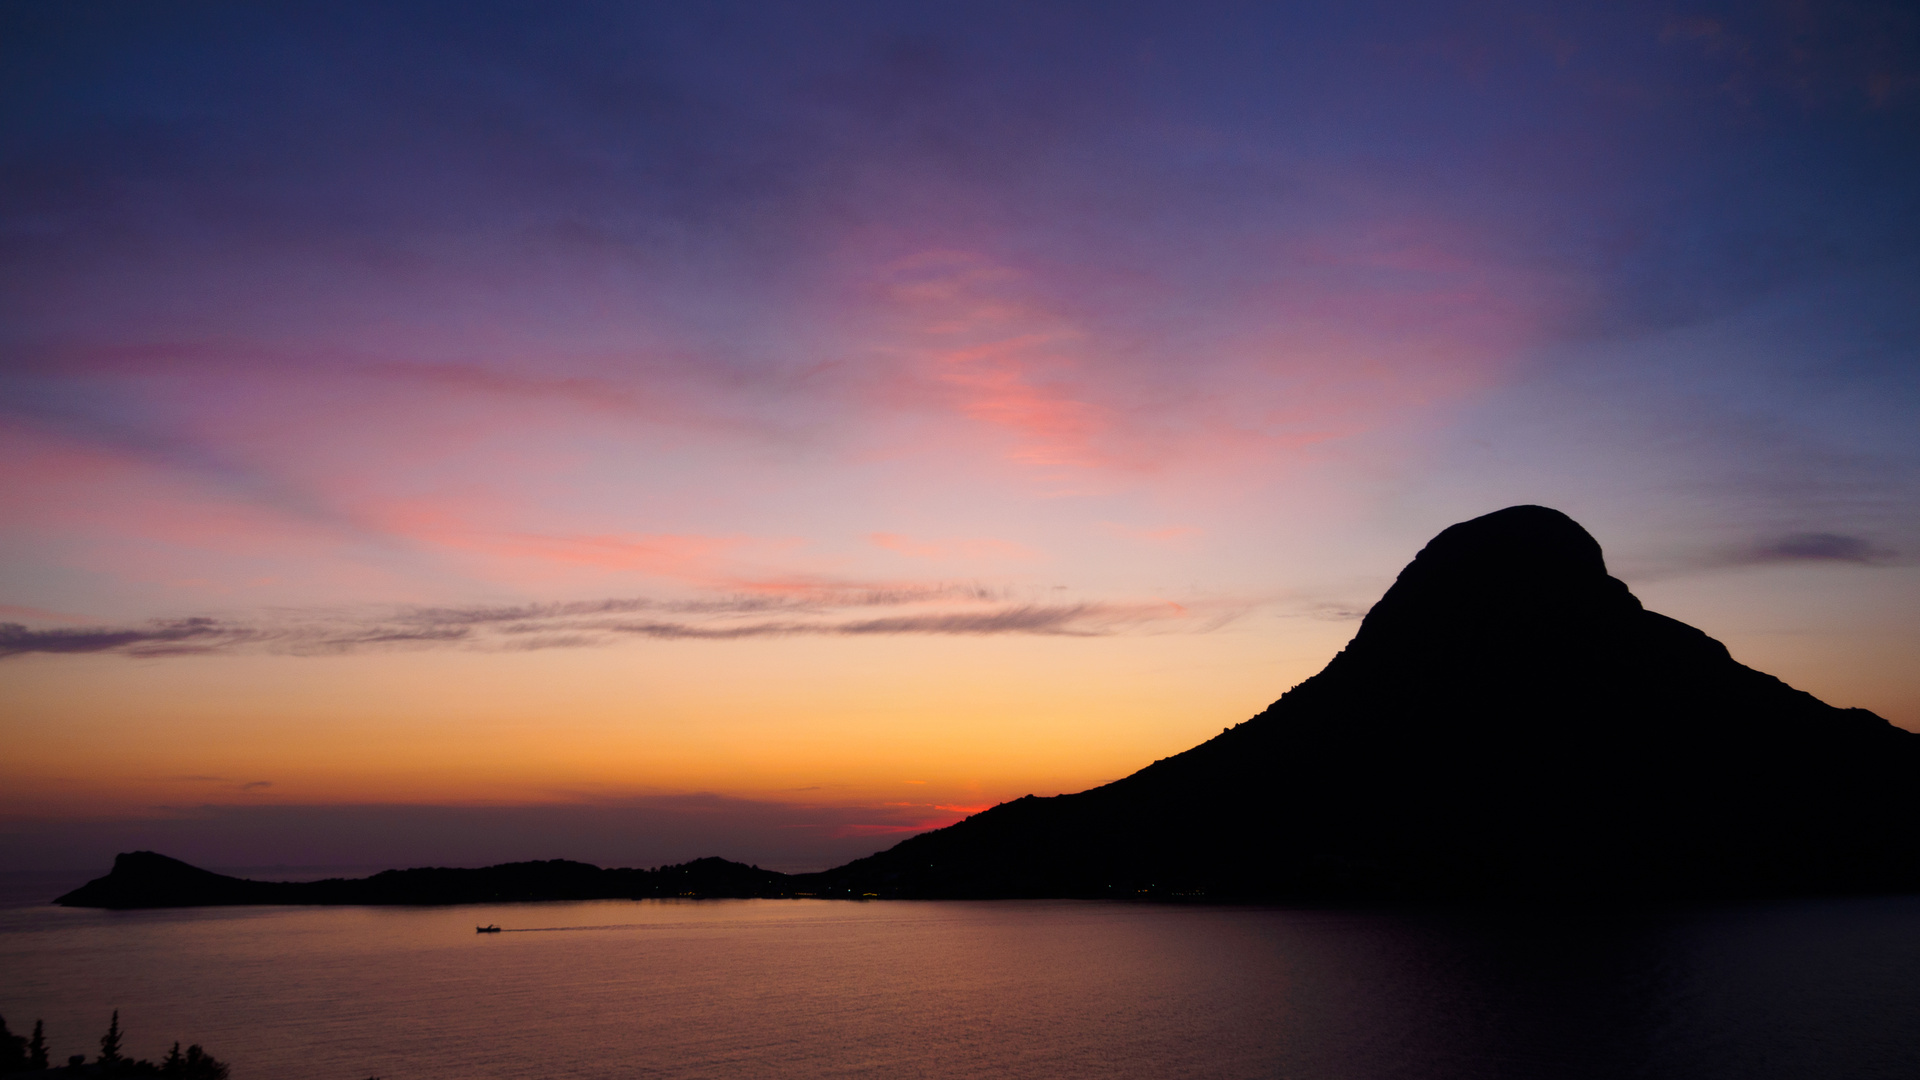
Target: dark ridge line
(1508,724)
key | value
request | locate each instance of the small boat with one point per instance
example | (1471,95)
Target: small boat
(486,929)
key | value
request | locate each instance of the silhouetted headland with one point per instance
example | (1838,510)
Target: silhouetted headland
(1509,723)
(143,879)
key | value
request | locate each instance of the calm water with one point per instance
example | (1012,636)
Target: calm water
(766,988)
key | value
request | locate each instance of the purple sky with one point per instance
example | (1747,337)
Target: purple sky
(860,414)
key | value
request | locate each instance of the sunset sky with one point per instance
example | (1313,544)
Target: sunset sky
(465,432)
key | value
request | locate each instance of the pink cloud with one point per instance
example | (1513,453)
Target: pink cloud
(662,555)
(761,566)
(975,339)
(658,391)
(1340,334)
(56,486)
(590,461)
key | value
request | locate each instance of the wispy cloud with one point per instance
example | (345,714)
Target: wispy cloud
(1812,547)
(162,637)
(968,610)
(983,345)
(661,391)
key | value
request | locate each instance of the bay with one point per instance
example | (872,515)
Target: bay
(937,990)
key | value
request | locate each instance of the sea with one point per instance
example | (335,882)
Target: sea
(971,990)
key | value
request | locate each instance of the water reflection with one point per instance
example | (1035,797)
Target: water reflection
(938,990)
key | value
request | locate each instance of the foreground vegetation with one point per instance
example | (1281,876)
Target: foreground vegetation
(21,1056)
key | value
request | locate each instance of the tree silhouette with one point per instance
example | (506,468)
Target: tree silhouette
(110,1042)
(18,1055)
(13,1050)
(195,1064)
(37,1047)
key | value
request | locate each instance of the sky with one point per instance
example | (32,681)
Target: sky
(630,432)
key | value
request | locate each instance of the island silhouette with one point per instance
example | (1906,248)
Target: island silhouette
(1509,723)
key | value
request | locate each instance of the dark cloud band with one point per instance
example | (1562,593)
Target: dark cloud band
(1816,547)
(575,625)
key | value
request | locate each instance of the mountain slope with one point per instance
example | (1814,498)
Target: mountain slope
(1508,722)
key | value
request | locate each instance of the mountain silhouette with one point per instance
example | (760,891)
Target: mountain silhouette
(1508,724)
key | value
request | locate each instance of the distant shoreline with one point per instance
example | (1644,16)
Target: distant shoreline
(145,879)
